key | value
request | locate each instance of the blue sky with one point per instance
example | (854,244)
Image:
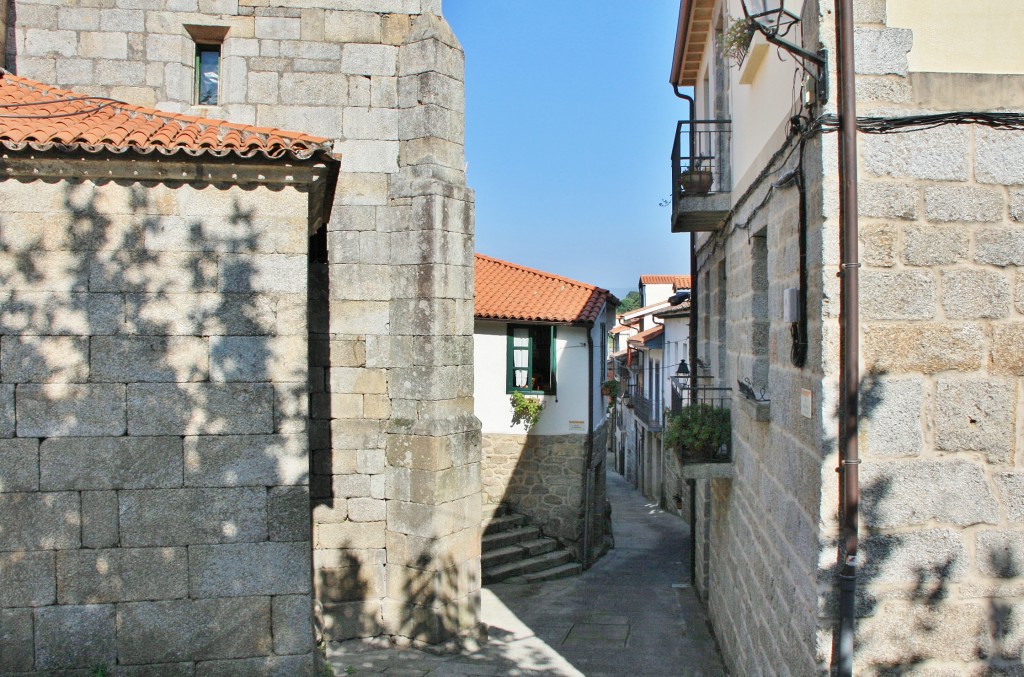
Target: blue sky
(569,124)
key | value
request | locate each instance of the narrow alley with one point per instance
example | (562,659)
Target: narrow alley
(632,614)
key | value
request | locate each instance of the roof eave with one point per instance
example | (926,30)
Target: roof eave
(693,31)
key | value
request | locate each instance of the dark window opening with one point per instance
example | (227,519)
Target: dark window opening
(531,359)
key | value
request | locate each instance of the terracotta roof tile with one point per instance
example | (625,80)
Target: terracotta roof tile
(37,114)
(646,335)
(677,281)
(506,291)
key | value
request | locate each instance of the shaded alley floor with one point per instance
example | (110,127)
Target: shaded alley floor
(632,614)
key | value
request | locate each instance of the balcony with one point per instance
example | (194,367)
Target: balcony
(645,410)
(701,181)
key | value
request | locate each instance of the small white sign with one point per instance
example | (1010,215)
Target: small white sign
(576,425)
(805,403)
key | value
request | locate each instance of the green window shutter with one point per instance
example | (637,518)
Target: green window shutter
(520,359)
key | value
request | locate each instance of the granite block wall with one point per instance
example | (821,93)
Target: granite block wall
(154,464)
(939,565)
(395,446)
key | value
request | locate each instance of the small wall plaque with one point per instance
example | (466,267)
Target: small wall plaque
(576,425)
(805,402)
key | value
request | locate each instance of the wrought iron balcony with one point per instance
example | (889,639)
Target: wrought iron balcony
(701,180)
(698,402)
(644,410)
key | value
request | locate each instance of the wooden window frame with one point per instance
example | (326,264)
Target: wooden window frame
(510,367)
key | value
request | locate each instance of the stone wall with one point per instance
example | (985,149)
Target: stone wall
(941,558)
(942,315)
(153,452)
(396,474)
(543,477)
(756,533)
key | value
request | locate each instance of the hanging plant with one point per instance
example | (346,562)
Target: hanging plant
(525,410)
(736,39)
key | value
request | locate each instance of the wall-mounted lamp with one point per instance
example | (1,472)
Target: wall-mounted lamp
(772,20)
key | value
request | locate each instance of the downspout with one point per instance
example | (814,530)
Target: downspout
(693,363)
(849,338)
(693,272)
(588,485)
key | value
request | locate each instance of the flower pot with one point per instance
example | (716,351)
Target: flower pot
(697,181)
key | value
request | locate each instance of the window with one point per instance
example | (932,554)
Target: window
(208,41)
(207,75)
(531,359)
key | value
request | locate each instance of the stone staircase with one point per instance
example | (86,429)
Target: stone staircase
(516,552)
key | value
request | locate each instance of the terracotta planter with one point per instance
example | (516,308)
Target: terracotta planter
(697,181)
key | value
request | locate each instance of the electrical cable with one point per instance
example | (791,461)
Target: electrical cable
(916,123)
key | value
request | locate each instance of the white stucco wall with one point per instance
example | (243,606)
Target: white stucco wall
(759,110)
(953,36)
(677,341)
(564,413)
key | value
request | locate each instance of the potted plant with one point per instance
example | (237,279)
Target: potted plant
(611,388)
(525,410)
(696,179)
(735,40)
(699,432)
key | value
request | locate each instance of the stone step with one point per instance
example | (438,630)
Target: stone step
(503,539)
(505,523)
(526,566)
(554,573)
(510,553)
(539,546)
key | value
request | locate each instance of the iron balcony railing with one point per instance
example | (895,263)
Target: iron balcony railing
(700,158)
(644,409)
(698,395)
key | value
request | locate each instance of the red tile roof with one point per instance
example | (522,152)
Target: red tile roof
(505,291)
(646,335)
(677,281)
(42,117)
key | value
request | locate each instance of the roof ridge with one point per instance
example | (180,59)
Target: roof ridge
(542,273)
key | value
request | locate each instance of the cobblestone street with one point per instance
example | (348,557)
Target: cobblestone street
(632,613)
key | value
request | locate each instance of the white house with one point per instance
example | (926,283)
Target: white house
(655,338)
(544,336)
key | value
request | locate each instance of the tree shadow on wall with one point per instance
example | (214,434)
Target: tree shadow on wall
(146,353)
(915,605)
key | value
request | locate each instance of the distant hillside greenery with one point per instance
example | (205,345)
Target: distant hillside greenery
(631,302)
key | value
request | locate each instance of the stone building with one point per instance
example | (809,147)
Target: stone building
(545,336)
(942,552)
(297,336)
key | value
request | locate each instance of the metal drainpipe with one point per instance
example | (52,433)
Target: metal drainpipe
(849,337)
(692,356)
(588,485)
